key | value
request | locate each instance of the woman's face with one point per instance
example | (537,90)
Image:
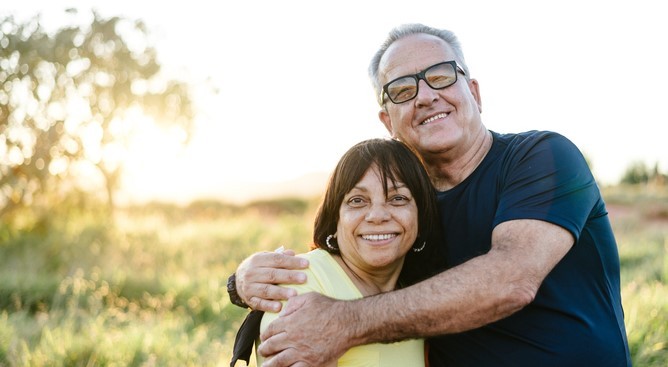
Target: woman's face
(374,231)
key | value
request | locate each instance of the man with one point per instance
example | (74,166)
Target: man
(533,269)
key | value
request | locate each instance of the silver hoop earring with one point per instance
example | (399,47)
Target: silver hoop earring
(329,245)
(421,248)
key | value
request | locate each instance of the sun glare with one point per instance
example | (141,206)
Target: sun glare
(291,96)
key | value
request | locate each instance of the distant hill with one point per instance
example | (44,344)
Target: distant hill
(305,186)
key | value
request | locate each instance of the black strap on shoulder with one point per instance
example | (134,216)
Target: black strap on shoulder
(246,336)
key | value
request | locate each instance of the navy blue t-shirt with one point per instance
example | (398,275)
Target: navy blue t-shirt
(576,318)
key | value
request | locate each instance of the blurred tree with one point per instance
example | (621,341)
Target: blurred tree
(70,101)
(636,173)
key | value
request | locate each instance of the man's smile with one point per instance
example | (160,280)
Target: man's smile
(434,118)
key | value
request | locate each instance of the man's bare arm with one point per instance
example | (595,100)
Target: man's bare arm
(315,330)
(257,278)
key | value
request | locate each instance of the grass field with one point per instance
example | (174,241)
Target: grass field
(149,288)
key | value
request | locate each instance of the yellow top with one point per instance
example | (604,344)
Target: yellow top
(327,277)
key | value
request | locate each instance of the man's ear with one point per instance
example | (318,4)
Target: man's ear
(385,119)
(475,90)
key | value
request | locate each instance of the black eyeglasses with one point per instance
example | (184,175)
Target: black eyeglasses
(405,88)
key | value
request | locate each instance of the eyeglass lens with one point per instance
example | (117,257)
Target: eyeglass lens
(438,76)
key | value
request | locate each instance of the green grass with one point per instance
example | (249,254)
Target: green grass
(148,289)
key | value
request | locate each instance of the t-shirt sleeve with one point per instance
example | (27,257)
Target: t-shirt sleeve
(546,177)
(311,285)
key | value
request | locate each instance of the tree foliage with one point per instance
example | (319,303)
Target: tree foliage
(636,173)
(640,173)
(69,103)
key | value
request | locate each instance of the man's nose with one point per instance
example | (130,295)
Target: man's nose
(426,95)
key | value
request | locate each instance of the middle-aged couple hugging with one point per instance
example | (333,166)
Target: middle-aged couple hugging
(526,272)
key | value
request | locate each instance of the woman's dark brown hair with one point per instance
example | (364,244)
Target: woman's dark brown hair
(396,162)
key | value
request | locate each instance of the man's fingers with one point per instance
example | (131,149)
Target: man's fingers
(287,260)
(271,292)
(287,358)
(260,304)
(261,281)
(294,304)
(297,338)
(277,327)
(277,276)
(257,278)
(267,297)
(283,359)
(277,352)
(269,347)
(283,260)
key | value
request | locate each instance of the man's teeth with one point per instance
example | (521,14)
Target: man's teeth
(433,118)
(378,237)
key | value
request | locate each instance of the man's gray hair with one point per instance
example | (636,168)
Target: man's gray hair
(407,30)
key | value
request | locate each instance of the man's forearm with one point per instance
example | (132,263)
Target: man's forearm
(318,329)
(462,298)
(482,290)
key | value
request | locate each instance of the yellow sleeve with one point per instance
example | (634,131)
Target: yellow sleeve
(311,285)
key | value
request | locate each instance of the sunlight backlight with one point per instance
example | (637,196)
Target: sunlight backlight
(293,92)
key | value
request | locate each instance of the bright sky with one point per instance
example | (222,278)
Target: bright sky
(294,92)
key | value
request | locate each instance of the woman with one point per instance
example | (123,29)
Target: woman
(375,231)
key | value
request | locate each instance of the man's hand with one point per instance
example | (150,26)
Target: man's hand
(311,331)
(258,275)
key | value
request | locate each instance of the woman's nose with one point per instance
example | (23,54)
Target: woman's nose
(378,213)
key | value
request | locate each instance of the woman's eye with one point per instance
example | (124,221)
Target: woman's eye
(399,200)
(356,202)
